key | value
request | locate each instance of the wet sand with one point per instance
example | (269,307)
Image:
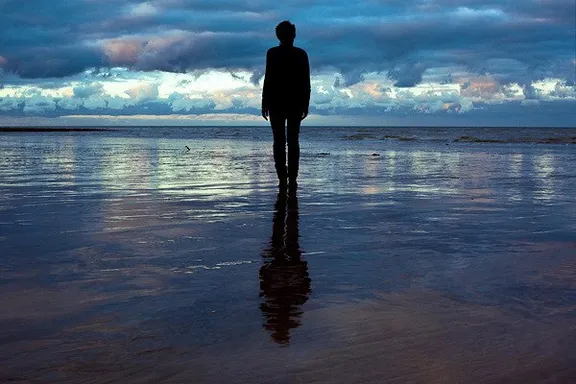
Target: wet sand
(128,259)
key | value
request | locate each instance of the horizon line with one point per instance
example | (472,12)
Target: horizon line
(112,127)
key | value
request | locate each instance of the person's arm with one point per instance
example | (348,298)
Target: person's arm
(266,89)
(306,85)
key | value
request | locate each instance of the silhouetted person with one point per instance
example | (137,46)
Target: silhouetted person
(284,280)
(286,98)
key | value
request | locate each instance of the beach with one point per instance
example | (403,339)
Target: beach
(406,255)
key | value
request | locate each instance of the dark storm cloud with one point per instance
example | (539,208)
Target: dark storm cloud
(219,51)
(532,47)
(351,75)
(516,41)
(45,62)
(407,75)
(256,76)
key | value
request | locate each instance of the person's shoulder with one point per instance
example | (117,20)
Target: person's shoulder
(300,51)
(301,54)
(273,50)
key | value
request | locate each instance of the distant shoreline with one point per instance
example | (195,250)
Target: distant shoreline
(38,129)
(263,126)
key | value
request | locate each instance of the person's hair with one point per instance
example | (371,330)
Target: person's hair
(286,31)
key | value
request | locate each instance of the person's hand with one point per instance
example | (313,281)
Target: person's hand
(304,114)
(265,113)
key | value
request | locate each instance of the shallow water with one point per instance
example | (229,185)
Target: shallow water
(124,257)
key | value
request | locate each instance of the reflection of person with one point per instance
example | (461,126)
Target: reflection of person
(284,280)
(286,98)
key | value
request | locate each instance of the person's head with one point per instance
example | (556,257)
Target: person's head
(286,32)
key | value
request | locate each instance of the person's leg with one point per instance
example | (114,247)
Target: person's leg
(278,121)
(293,146)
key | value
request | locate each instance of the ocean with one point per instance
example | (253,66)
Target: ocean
(167,255)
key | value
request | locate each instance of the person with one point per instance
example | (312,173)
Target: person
(286,99)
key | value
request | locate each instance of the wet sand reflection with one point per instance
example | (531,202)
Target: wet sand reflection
(284,280)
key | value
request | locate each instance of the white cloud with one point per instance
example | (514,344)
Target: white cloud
(119,103)
(143,92)
(181,103)
(8,104)
(470,13)
(141,10)
(235,93)
(94,102)
(39,104)
(86,90)
(69,103)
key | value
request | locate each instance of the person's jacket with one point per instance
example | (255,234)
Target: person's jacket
(287,79)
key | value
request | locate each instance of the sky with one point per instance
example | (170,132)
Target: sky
(373,62)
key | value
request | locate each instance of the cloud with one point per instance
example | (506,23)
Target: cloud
(122,52)
(407,75)
(489,50)
(179,36)
(182,103)
(8,104)
(141,10)
(143,92)
(257,75)
(563,90)
(481,87)
(351,75)
(39,104)
(87,90)
(466,14)
(67,104)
